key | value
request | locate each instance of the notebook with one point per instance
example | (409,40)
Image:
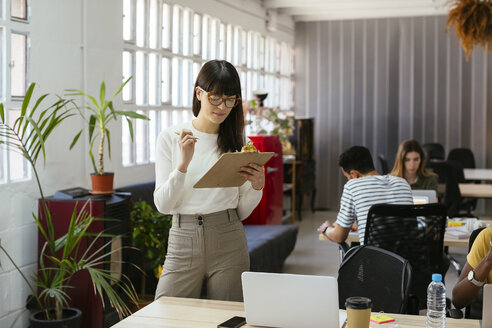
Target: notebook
(291,301)
(424,196)
(486,306)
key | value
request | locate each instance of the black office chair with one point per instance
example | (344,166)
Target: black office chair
(433,151)
(451,174)
(416,233)
(384,164)
(376,273)
(465,157)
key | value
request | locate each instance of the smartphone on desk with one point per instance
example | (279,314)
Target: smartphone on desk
(234,322)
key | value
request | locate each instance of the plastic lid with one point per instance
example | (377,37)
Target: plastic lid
(436,277)
(358,302)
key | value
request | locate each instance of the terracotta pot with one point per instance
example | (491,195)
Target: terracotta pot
(102,184)
(72,318)
(143,300)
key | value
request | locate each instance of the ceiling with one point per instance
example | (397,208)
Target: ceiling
(323,10)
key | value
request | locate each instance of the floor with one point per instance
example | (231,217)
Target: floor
(313,257)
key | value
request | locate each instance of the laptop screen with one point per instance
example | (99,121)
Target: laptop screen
(424,196)
(417,200)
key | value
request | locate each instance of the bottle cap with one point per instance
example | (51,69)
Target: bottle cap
(436,277)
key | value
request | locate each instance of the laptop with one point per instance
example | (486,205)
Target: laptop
(486,306)
(424,196)
(291,301)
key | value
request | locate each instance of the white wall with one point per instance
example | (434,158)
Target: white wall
(75,44)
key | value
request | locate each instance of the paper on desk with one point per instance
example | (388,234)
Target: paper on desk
(457,232)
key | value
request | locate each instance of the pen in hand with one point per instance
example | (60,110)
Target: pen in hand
(179,133)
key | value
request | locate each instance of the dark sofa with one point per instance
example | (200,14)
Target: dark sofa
(268,245)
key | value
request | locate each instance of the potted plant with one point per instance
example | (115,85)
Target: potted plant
(150,232)
(59,259)
(472,20)
(101,113)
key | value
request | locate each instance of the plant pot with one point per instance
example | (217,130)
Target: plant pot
(102,184)
(143,300)
(72,318)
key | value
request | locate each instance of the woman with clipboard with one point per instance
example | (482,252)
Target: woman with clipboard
(207,244)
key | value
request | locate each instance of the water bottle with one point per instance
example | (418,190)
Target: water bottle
(436,303)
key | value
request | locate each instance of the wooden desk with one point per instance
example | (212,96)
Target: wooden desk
(197,313)
(478,174)
(476,190)
(447,241)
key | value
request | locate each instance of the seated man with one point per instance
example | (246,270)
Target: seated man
(476,272)
(365,188)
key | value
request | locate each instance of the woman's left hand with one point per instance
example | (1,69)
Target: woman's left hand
(255,174)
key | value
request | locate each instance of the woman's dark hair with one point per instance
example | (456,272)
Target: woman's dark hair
(221,78)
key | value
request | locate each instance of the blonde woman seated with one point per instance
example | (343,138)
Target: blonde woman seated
(410,165)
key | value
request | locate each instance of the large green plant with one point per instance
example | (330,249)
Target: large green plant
(60,258)
(150,232)
(101,113)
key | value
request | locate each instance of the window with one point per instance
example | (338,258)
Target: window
(19,168)
(197,30)
(205,37)
(153,27)
(166,26)
(18,9)
(141,141)
(153,82)
(176,78)
(187,37)
(222,41)
(140,78)
(140,23)
(166,44)
(128,59)
(177,31)
(166,80)
(18,64)
(128,20)
(14,78)
(2,61)
(229,44)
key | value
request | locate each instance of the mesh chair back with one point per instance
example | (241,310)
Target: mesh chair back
(416,233)
(372,272)
(451,174)
(464,156)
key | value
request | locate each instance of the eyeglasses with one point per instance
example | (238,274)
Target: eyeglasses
(216,100)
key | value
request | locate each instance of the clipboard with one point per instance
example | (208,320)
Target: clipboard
(223,173)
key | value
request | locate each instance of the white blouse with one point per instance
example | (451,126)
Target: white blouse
(174,192)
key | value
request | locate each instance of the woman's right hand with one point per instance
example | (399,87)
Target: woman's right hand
(186,143)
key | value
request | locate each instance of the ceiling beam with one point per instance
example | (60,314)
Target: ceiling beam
(367,14)
(313,10)
(313,3)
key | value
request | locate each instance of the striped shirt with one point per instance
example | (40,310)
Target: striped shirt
(360,194)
